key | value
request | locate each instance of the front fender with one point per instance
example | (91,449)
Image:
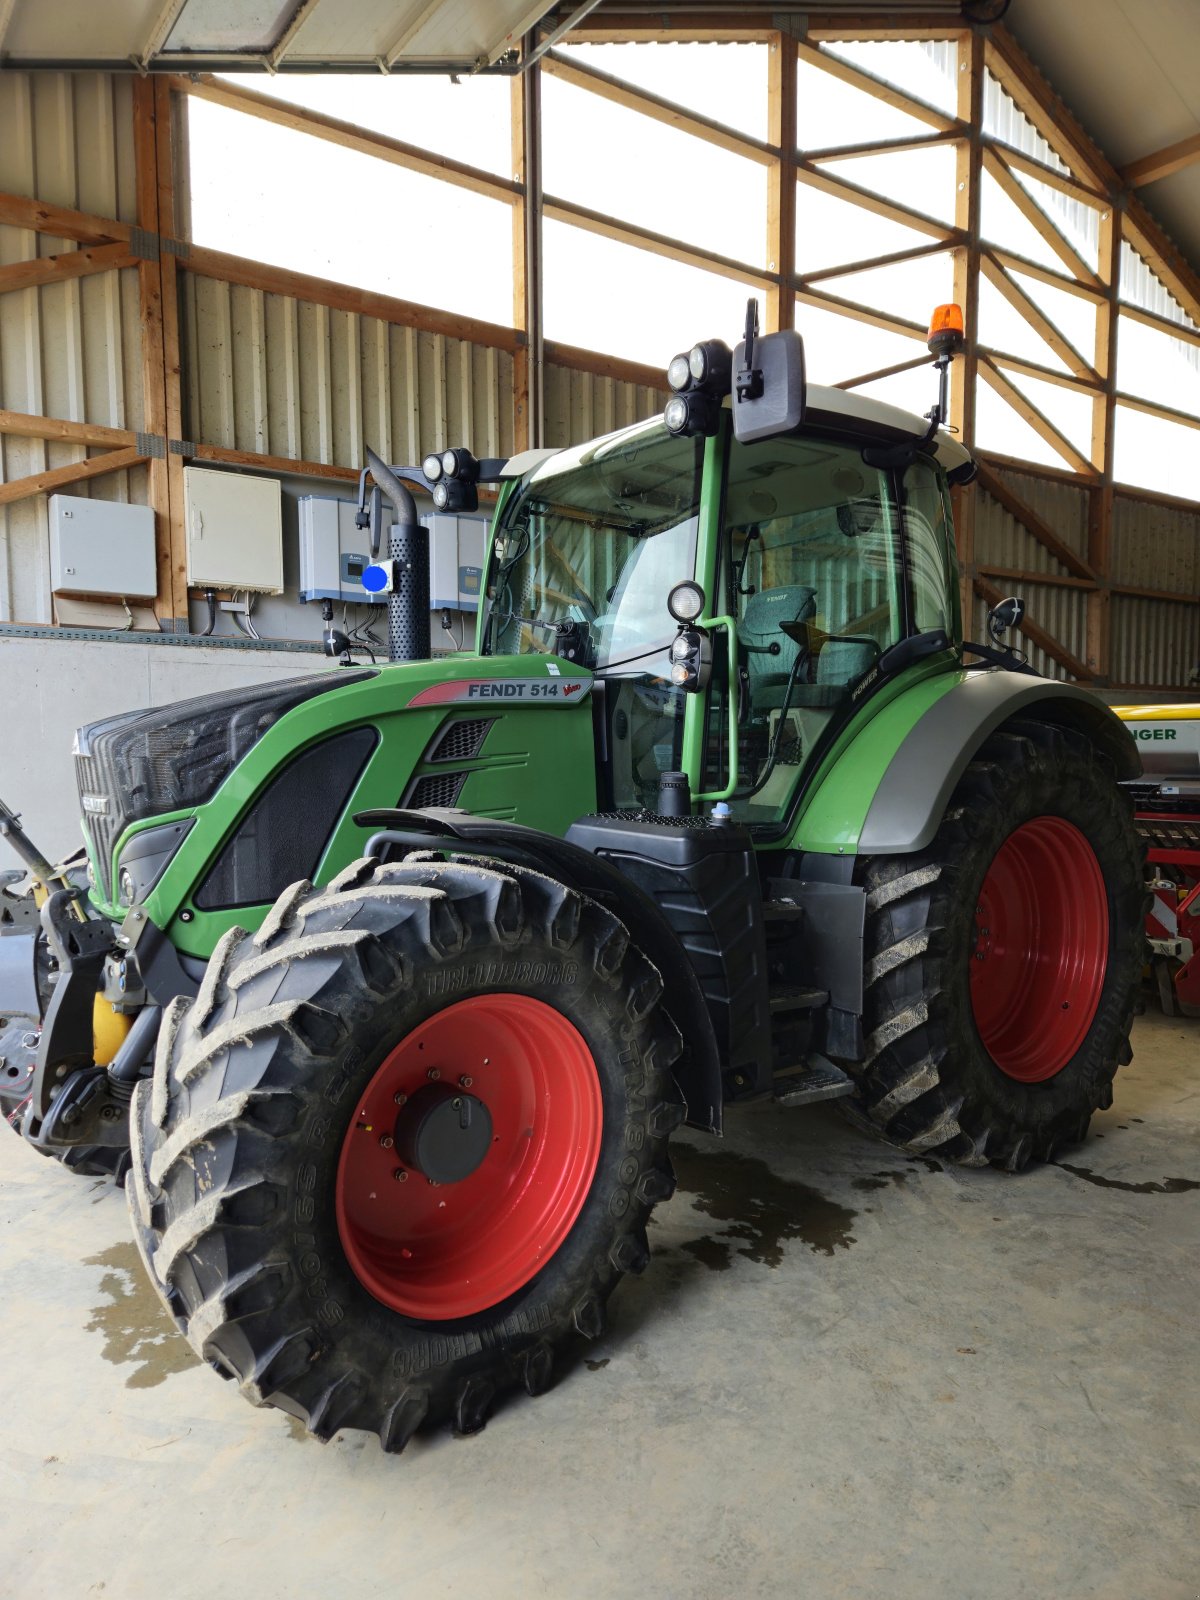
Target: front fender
(917,762)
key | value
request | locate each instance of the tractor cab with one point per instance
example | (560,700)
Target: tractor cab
(737,597)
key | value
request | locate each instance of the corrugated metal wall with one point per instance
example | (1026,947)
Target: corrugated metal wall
(278,376)
(1001,541)
(72,349)
(580,405)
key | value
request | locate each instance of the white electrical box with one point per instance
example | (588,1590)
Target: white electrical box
(334,553)
(101,547)
(234,531)
(455,560)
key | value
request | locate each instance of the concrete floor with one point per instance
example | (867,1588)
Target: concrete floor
(847,1373)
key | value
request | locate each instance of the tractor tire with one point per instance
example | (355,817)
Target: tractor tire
(282,1189)
(1003,962)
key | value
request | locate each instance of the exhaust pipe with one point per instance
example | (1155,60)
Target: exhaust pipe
(408,548)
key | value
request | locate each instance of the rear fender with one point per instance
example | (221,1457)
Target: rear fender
(901,812)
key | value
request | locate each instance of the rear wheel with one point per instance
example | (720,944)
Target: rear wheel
(405,1142)
(1003,962)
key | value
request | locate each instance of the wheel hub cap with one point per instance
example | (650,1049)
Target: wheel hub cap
(469,1156)
(1039,949)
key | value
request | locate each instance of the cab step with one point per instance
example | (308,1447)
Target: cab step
(815,1079)
(796,997)
(782,911)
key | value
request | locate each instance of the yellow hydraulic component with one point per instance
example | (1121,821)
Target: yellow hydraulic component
(109,1028)
(1190,713)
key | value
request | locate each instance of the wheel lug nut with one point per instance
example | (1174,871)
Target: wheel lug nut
(400,1175)
(465,1082)
(433,1073)
(387,1141)
(400,1099)
(433,1183)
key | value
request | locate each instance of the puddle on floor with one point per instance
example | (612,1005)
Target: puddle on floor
(1167,1186)
(135,1328)
(759,1211)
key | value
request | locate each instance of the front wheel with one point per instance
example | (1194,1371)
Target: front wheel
(1002,963)
(405,1142)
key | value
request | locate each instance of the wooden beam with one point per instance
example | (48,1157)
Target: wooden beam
(348,136)
(282,464)
(1035,469)
(1036,634)
(1024,84)
(1034,369)
(1012,262)
(1037,319)
(995,166)
(881,372)
(1163,258)
(660,244)
(855,194)
(73,472)
(1052,580)
(60,222)
(869,263)
(667,112)
(345,297)
(70,264)
(1037,419)
(1174,597)
(781,181)
(1034,524)
(28,427)
(1064,182)
(883,320)
(1162,163)
(878,88)
(602,366)
(1152,408)
(882,147)
(1150,319)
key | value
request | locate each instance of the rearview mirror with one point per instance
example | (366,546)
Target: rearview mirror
(769,381)
(1005,615)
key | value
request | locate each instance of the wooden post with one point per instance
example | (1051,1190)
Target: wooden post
(781,181)
(968,167)
(529,419)
(1100,498)
(154,394)
(169,279)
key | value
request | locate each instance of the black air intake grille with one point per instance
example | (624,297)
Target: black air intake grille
(461,741)
(284,834)
(438,789)
(144,763)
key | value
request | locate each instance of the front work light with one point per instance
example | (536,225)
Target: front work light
(679,373)
(692,412)
(710,364)
(432,467)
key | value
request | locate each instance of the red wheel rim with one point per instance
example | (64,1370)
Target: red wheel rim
(437,1252)
(1040,949)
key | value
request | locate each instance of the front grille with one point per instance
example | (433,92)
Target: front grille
(460,741)
(145,763)
(437,789)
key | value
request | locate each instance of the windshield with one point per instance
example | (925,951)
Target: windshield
(590,545)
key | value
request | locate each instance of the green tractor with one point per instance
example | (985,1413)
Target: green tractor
(389,984)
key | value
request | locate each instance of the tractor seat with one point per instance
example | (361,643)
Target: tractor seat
(759,629)
(840,662)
